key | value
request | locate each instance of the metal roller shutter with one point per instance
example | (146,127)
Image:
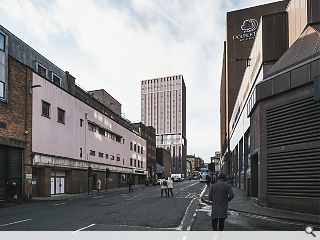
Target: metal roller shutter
(295,172)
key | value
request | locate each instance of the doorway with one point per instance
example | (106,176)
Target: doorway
(57,182)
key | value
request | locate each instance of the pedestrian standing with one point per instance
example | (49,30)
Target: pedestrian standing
(163,185)
(170,186)
(220,194)
(208,180)
(98,185)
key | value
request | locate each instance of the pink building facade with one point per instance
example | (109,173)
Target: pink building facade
(68,136)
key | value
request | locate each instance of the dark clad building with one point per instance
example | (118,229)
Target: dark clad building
(273,143)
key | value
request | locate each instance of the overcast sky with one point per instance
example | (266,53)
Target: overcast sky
(114,44)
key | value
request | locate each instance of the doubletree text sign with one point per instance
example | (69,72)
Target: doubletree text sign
(249,28)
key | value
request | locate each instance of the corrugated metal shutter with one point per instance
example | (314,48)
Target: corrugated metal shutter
(15,161)
(3,172)
(15,158)
(295,172)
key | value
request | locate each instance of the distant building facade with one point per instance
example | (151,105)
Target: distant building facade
(149,134)
(163,162)
(107,100)
(163,106)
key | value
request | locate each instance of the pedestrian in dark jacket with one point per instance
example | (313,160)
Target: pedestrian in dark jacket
(220,194)
(130,183)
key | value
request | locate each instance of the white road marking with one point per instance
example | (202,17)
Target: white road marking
(130,226)
(83,228)
(184,217)
(58,204)
(97,197)
(7,224)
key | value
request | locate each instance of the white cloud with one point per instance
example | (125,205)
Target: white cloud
(116,44)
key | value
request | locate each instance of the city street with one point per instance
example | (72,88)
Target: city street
(141,210)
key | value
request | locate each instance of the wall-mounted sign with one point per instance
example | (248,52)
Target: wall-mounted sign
(29,176)
(249,28)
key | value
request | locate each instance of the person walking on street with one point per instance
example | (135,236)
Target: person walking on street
(130,183)
(220,194)
(163,185)
(98,184)
(170,186)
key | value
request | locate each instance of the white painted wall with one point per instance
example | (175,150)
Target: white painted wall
(65,140)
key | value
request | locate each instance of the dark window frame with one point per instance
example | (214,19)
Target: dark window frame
(101,154)
(92,153)
(61,115)
(43,104)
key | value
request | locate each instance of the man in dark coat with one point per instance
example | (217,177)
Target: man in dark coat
(220,194)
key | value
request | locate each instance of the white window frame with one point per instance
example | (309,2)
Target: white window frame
(53,74)
(37,68)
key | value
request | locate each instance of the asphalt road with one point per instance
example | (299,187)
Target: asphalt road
(140,210)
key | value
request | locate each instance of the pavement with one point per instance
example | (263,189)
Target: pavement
(242,204)
(62,197)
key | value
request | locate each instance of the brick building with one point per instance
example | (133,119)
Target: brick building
(149,134)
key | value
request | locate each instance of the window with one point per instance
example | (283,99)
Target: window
(130,161)
(80,152)
(118,139)
(138,163)
(81,122)
(56,80)
(118,159)
(138,149)
(101,154)
(2,42)
(102,131)
(61,115)
(130,145)
(41,70)
(135,162)
(92,153)
(92,127)
(45,109)
(123,141)
(107,156)
(2,86)
(141,150)
(111,157)
(141,164)
(135,147)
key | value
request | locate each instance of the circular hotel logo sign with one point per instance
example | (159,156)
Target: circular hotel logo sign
(249,25)
(249,28)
